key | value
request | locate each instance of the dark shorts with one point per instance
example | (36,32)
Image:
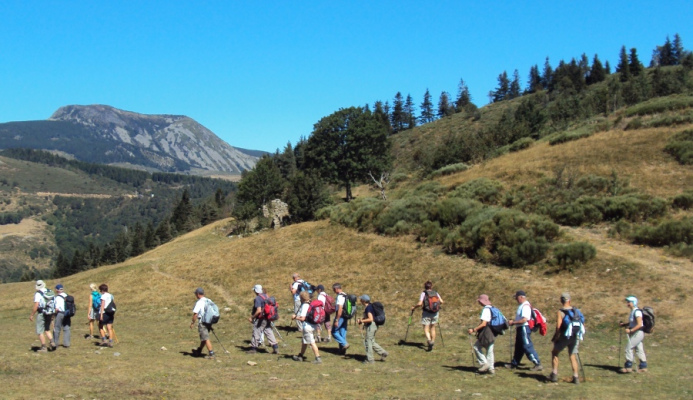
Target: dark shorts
(107,319)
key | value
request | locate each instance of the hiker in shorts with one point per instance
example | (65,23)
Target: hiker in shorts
(429,318)
(339,326)
(202,328)
(62,323)
(308,329)
(296,289)
(485,337)
(93,310)
(635,336)
(44,315)
(260,323)
(322,296)
(566,337)
(523,340)
(106,317)
(371,328)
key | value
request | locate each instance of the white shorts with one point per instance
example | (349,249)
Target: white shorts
(308,337)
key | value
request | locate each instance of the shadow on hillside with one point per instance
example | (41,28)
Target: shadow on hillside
(611,368)
(412,344)
(537,377)
(463,368)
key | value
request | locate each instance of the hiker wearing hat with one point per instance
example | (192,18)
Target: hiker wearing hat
(260,324)
(308,330)
(430,301)
(371,328)
(62,322)
(635,336)
(566,337)
(523,340)
(44,308)
(202,328)
(485,336)
(328,304)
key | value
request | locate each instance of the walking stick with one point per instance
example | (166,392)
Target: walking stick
(222,344)
(115,337)
(441,334)
(276,330)
(584,378)
(471,344)
(408,325)
(620,337)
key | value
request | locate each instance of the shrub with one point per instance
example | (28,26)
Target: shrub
(454,210)
(660,104)
(412,210)
(449,170)
(680,146)
(634,124)
(396,179)
(484,190)
(358,214)
(670,120)
(521,144)
(573,253)
(683,201)
(633,207)
(576,213)
(667,233)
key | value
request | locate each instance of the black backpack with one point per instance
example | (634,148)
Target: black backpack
(70,307)
(648,319)
(111,308)
(378,313)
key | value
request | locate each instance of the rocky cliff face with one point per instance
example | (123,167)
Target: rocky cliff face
(161,139)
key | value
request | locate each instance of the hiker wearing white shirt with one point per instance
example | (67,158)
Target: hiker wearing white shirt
(308,329)
(106,317)
(485,337)
(202,328)
(62,323)
(44,316)
(296,288)
(523,340)
(635,335)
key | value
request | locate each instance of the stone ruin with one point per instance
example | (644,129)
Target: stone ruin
(277,210)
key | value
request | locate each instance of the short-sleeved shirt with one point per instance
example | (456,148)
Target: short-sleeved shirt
(633,319)
(60,302)
(106,299)
(524,311)
(258,302)
(199,309)
(295,286)
(38,298)
(303,312)
(369,309)
(423,296)
(322,297)
(486,314)
(340,300)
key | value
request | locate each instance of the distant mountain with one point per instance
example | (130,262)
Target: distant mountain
(103,134)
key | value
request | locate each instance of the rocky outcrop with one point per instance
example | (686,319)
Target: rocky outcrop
(277,211)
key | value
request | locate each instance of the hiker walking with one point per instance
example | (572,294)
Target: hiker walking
(431,302)
(308,329)
(261,325)
(296,289)
(106,316)
(339,326)
(569,331)
(44,309)
(62,321)
(93,310)
(328,304)
(202,328)
(485,337)
(371,327)
(635,335)
(523,340)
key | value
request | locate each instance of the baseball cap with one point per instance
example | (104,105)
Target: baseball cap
(365,297)
(59,287)
(520,293)
(565,296)
(199,291)
(257,289)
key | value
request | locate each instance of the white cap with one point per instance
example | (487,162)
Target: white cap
(257,289)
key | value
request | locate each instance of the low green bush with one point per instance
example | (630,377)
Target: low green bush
(670,120)
(573,253)
(569,137)
(683,201)
(660,104)
(484,190)
(635,123)
(521,144)
(454,210)
(449,170)
(357,214)
(667,233)
(680,146)
(412,210)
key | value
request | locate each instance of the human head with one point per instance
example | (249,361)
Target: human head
(428,285)
(296,277)
(565,298)
(632,301)
(305,296)
(59,287)
(199,292)
(93,287)
(103,288)
(365,299)
(483,300)
(520,296)
(40,285)
(321,288)
(337,287)
(257,289)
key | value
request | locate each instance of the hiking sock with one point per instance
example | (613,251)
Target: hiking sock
(211,352)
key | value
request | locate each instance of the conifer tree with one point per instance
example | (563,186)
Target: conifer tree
(607,67)
(534,81)
(677,50)
(597,72)
(547,75)
(634,65)
(258,187)
(427,109)
(182,214)
(150,239)
(463,96)
(137,240)
(501,92)
(163,231)
(444,107)
(397,117)
(409,110)
(381,113)
(623,66)
(515,90)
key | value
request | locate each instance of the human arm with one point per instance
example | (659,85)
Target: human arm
(194,320)
(34,310)
(638,325)
(103,306)
(367,320)
(479,327)
(420,303)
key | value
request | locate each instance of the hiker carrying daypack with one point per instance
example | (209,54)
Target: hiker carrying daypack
(316,312)
(498,323)
(648,319)
(329,305)
(111,307)
(48,307)
(537,322)
(431,302)
(349,308)
(211,314)
(378,313)
(305,286)
(70,307)
(573,323)
(270,310)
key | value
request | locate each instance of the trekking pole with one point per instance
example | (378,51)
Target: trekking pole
(220,343)
(620,337)
(115,337)
(276,330)
(584,378)
(441,334)
(408,325)
(471,344)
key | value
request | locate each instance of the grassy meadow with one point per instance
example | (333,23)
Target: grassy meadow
(154,297)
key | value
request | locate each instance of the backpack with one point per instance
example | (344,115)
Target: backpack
(378,313)
(573,322)
(111,307)
(648,319)
(270,310)
(431,301)
(316,312)
(95,300)
(349,307)
(49,300)
(70,307)
(305,286)
(211,315)
(329,305)
(498,322)
(537,322)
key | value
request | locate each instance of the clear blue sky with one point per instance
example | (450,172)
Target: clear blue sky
(260,74)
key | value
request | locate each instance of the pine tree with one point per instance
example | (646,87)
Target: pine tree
(444,107)
(409,110)
(137,240)
(427,109)
(463,96)
(677,50)
(397,117)
(547,75)
(501,92)
(515,90)
(182,214)
(258,187)
(634,64)
(597,73)
(534,82)
(381,113)
(607,68)
(163,231)
(150,239)
(584,65)
(623,66)
(286,161)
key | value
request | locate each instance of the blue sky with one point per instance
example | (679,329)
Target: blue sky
(260,74)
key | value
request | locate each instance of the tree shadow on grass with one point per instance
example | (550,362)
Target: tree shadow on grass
(463,368)
(605,367)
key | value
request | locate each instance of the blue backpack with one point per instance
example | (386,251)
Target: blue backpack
(573,321)
(305,286)
(499,324)
(96,300)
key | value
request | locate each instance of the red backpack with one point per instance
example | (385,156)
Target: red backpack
(537,322)
(431,301)
(329,305)
(316,312)
(270,310)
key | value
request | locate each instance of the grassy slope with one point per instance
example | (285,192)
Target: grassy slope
(154,294)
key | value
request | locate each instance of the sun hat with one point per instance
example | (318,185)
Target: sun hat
(483,299)
(93,287)
(40,285)
(257,289)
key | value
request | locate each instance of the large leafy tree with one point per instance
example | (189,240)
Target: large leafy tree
(259,186)
(346,145)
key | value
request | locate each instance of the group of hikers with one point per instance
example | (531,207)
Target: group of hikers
(54,311)
(321,317)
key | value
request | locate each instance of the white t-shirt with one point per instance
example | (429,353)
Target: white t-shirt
(633,319)
(322,297)
(486,314)
(524,311)
(199,308)
(38,298)
(339,301)
(106,299)
(295,286)
(60,302)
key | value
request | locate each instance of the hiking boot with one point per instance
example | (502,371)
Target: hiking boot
(576,380)
(510,366)
(625,370)
(252,351)
(430,345)
(384,356)
(196,352)
(553,377)
(318,360)
(344,349)
(53,346)
(43,349)
(328,340)
(537,367)
(492,371)
(484,368)
(298,358)
(275,349)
